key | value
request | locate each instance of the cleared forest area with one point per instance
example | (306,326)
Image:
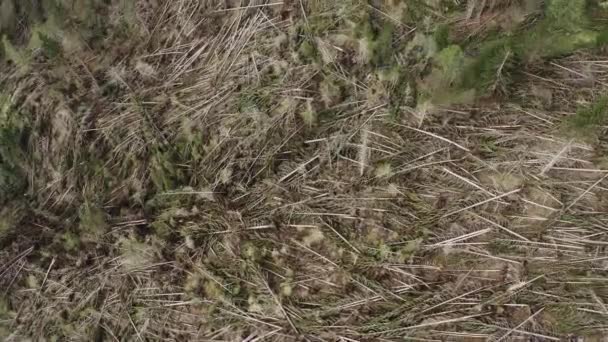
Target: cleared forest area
(303,170)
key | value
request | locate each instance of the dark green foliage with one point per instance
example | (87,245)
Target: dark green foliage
(602,39)
(378,35)
(482,72)
(164,172)
(363,25)
(546,41)
(382,46)
(308,51)
(416,11)
(50,46)
(13,138)
(562,31)
(451,62)
(456,78)
(587,119)
(591,116)
(565,28)
(11,182)
(442,36)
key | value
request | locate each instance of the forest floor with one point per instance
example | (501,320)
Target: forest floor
(303,170)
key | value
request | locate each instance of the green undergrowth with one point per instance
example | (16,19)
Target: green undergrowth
(10,215)
(219,194)
(459,73)
(485,67)
(14,135)
(379,43)
(14,132)
(431,68)
(565,28)
(585,124)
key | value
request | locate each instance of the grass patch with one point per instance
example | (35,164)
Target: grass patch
(482,73)
(587,120)
(567,15)
(565,28)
